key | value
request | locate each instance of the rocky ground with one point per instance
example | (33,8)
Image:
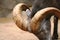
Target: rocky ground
(9,31)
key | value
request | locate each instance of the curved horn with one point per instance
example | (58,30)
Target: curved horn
(40,15)
(19,18)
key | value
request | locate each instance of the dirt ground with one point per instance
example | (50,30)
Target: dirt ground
(9,31)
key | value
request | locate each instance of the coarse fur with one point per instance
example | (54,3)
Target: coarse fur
(41,4)
(42,18)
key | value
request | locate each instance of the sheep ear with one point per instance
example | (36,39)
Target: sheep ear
(28,12)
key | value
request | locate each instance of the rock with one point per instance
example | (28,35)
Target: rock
(9,31)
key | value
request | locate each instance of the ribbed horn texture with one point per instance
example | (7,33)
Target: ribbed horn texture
(19,18)
(40,15)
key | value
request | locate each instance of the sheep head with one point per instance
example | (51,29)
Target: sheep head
(32,24)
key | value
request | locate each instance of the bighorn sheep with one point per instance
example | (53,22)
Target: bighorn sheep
(41,4)
(39,24)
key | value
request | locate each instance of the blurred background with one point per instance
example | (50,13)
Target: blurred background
(6,6)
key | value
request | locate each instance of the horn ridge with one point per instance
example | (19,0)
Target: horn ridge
(18,16)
